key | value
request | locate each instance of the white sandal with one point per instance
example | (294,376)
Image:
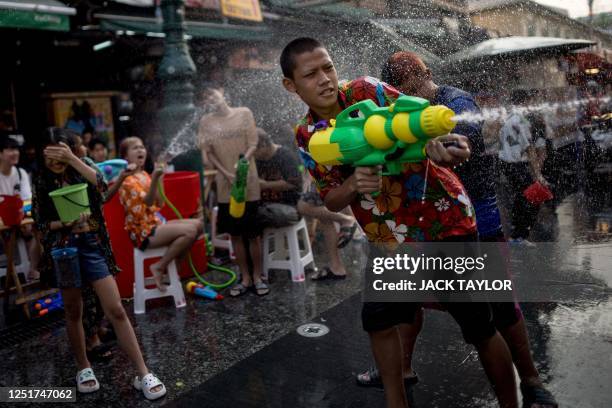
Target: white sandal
(84,376)
(147,383)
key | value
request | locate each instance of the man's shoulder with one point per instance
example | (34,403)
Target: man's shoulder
(243,111)
(11,175)
(450,95)
(363,82)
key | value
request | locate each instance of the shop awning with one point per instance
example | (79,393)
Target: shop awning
(196,29)
(517,46)
(35,14)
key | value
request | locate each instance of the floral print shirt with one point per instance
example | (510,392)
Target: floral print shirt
(140,219)
(423,203)
(44,212)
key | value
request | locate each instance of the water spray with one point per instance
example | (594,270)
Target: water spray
(502,113)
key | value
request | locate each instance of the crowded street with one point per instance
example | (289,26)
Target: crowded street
(279,203)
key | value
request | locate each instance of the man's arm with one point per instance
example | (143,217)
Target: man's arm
(26,190)
(530,149)
(535,165)
(217,164)
(448,156)
(208,157)
(365,180)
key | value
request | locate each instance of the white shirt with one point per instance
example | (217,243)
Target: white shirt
(514,139)
(11,185)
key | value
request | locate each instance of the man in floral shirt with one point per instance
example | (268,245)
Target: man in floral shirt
(426,202)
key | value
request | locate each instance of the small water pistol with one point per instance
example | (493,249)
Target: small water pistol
(366,135)
(203,291)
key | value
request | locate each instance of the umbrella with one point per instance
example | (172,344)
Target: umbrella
(516,46)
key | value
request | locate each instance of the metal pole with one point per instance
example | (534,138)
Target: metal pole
(176,71)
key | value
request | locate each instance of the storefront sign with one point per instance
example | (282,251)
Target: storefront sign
(203,4)
(242,9)
(85,111)
(34,20)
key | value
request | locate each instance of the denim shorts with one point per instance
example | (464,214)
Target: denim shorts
(92,264)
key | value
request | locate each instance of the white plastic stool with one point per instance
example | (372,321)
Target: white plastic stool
(287,253)
(142,294)
(224,240)
(22,258)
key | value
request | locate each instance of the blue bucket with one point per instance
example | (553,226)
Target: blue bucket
(67,269)
(112,168)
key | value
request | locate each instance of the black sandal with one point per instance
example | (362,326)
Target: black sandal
(537,394)
(325,274)
(371,378)
(239,289)
(261,289)
(100,353)
(108,335)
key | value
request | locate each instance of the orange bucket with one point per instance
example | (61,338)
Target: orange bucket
(11,210)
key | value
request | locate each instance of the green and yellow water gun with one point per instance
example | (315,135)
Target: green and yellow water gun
(238,193)
(388,136)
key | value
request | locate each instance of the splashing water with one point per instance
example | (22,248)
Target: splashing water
(502,113)
(185,139)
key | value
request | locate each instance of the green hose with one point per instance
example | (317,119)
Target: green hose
(160,188)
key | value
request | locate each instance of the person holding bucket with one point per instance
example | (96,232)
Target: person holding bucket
(147,228)
(67,209)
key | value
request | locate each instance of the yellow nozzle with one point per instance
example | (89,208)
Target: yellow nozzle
(236,209)
(437,120)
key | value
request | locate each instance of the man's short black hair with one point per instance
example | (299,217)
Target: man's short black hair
(96,141)
(294,48)
(9,140)
(263,139)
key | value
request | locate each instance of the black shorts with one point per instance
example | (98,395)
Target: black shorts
(246,226)
(474,318)
(145,242)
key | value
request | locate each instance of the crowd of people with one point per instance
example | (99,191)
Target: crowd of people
(443,198)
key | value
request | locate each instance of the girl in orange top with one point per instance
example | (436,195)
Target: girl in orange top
(140,198)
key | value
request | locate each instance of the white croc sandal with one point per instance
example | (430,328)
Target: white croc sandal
(147,383)
(84,376)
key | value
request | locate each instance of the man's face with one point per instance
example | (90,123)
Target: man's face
(10,155)
(214,98)
(315,79)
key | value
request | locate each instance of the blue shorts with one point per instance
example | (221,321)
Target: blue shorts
(88,266)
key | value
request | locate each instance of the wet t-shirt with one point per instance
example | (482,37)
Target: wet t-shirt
(514,139)
(227,138)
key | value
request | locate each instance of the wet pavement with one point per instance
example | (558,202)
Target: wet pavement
(246,353)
